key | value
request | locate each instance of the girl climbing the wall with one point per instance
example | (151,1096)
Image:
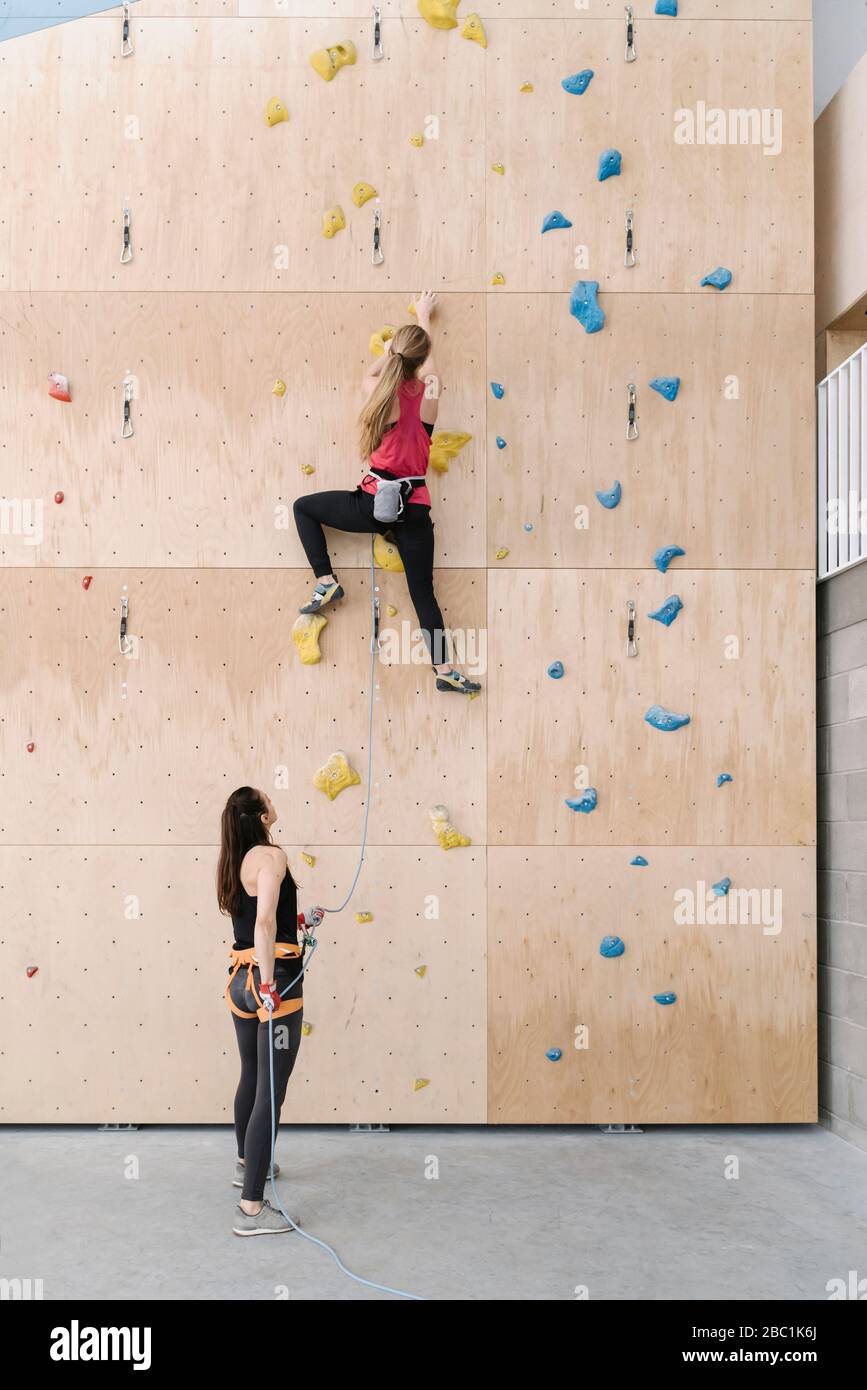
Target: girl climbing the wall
(395,425)
(255,888)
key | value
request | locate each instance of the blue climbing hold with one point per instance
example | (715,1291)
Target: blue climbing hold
(664,556)
(668,611)
(668,7)
(611,946)
(555,670)
(663,719)
(610,498)
(585,803)
(667,386)
(639,861)
(528,525)
(721,889)
(498,390)
(577,84)
(583,304)
(501,443)
(555,221)
(554,1054)
(609,165)
(723,778)
(666,998)
(719,278)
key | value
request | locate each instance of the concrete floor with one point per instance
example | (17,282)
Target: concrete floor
(514,1214)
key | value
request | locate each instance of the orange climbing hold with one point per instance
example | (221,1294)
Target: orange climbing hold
(58,387)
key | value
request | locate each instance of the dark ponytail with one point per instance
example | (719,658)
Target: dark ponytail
(241,828)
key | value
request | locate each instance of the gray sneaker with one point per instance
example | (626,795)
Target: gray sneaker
(268,1222)
(238,1179)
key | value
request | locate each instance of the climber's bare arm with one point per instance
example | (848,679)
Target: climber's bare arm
(425,303)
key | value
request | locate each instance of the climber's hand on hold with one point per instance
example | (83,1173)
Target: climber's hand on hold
(270,996)
(425,303)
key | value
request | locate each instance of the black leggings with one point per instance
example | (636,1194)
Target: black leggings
(413,536)
(253,1096)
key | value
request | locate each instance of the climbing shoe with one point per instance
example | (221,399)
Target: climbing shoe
(238,1179)
(453,680)
(267,1222)
(322,594)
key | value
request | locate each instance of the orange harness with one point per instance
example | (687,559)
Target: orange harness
(282,950)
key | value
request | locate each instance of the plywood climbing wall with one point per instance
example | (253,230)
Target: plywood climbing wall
(490,971)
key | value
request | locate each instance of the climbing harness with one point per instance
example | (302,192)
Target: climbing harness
(377,34)
(309,940)
(126,47)
(126,250)
(631,55)
(127,430)
(377,256)
(391,493)
(629,253)
(282,951)
(631,419)
(631,640)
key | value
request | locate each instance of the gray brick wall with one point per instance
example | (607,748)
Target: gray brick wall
(842,766)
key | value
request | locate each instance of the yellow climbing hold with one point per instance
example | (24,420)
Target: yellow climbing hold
(502,552)
(526,87)
(328,61)
(308,858)
(306,1029)
(474,29)
(420,971)
(498,168)
(391,611)
(307,468)
(440,14)
(275,112)
(333,221)
(417,140)
(444,446)
(279,388)
(420,1083)
(362,193)
(336,775)
(386,555)
(364,917)
(447,836)
(498,278)
(305,635)
(379,339)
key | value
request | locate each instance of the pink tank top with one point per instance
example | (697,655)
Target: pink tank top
(405,447)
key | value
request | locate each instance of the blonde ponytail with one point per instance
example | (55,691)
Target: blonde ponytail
(410,347)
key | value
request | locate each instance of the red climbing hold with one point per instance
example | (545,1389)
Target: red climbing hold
(58,387)
(31,971)
(58,497)
(87,581)
(30,747)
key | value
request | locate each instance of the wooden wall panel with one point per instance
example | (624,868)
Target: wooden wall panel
(731,480)
(217,699)
(211,472)
(841,199)
(696,206)
(493,10)
(752,716)
(126,1021)
(215,193)
(738,1046)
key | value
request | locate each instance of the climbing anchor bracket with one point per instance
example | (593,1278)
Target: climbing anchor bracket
(631,416)
(631,639)
(631,55)
(629,253)
(378,257)
(377,34)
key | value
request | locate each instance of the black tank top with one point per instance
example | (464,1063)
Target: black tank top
(287,917)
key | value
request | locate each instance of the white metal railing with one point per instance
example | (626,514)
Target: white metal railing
(841,456)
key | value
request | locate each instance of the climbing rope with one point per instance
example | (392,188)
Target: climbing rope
(311,942)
